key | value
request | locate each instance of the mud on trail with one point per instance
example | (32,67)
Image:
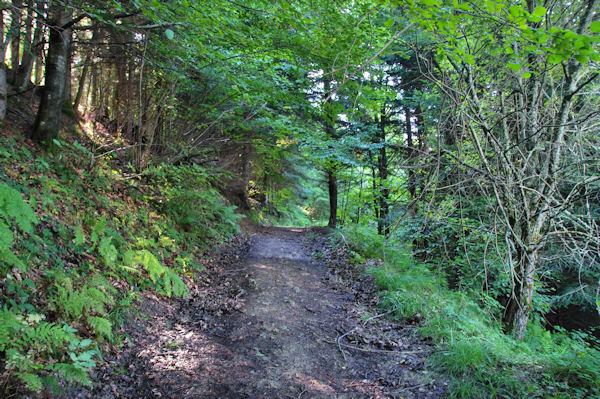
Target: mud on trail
(270,319)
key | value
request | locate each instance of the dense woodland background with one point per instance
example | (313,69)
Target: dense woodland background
(458,140)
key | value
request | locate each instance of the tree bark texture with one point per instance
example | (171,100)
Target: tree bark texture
(47,122)
(333,197)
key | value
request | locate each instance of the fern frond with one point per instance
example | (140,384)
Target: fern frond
(31,380)
(72,373)
(9,328)
(46,336)
(102,327)
(13,207)
(179,288)
(168,280)
(6,236)
(95,299)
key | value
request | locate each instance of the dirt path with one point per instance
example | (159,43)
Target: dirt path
(265,324)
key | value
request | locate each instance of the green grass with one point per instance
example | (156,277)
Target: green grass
(473,351)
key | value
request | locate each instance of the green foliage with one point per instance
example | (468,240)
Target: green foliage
(482,361)
(93,233)
(29,343)
(189,199)
(165,279)
(102,326)
(14,211)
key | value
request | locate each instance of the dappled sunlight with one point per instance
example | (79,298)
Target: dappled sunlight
(312,385)
(262,266)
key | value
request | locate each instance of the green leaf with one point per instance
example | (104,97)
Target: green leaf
(583,59)
(539,11)
(515,11)
(515,67)
(169,34)
(595,27)
(554,58)
(526,75)
(389,23)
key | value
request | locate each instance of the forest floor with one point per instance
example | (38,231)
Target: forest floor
(277,314)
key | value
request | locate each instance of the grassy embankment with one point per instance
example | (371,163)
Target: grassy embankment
(481,360)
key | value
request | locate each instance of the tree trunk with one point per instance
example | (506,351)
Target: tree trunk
(3,91)
(374,187)
(68,95)
(47,122)
(383,223)
(411,182)
(23,76)
(3,85)
(15,43)
(329,121)
(82,80)
(38,50)
(518,309)
(333,197)
(245,175)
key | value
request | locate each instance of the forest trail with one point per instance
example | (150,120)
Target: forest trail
(269,330)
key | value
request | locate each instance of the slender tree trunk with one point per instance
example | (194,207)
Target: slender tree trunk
(39,39)
(411,182)
(23,77)
(333,197)
(329,121)
(94,87)
(82,81)
(383,223)
(3,84)
(68,95)
(246,152)
(15,43)
(47,122)
(374,187)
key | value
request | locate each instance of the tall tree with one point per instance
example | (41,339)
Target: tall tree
(516,82)
(47,122)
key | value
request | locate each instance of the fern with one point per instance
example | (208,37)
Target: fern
(73,373)
(167,280)
(108,251)
(9,328)
(46,337)
(6,236)
(171,278)
(13,207)
(31,380)
(92,298)
(102,327)
(70,303)
(31,350)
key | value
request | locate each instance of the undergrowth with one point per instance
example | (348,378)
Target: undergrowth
(79,239)
(481,360)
